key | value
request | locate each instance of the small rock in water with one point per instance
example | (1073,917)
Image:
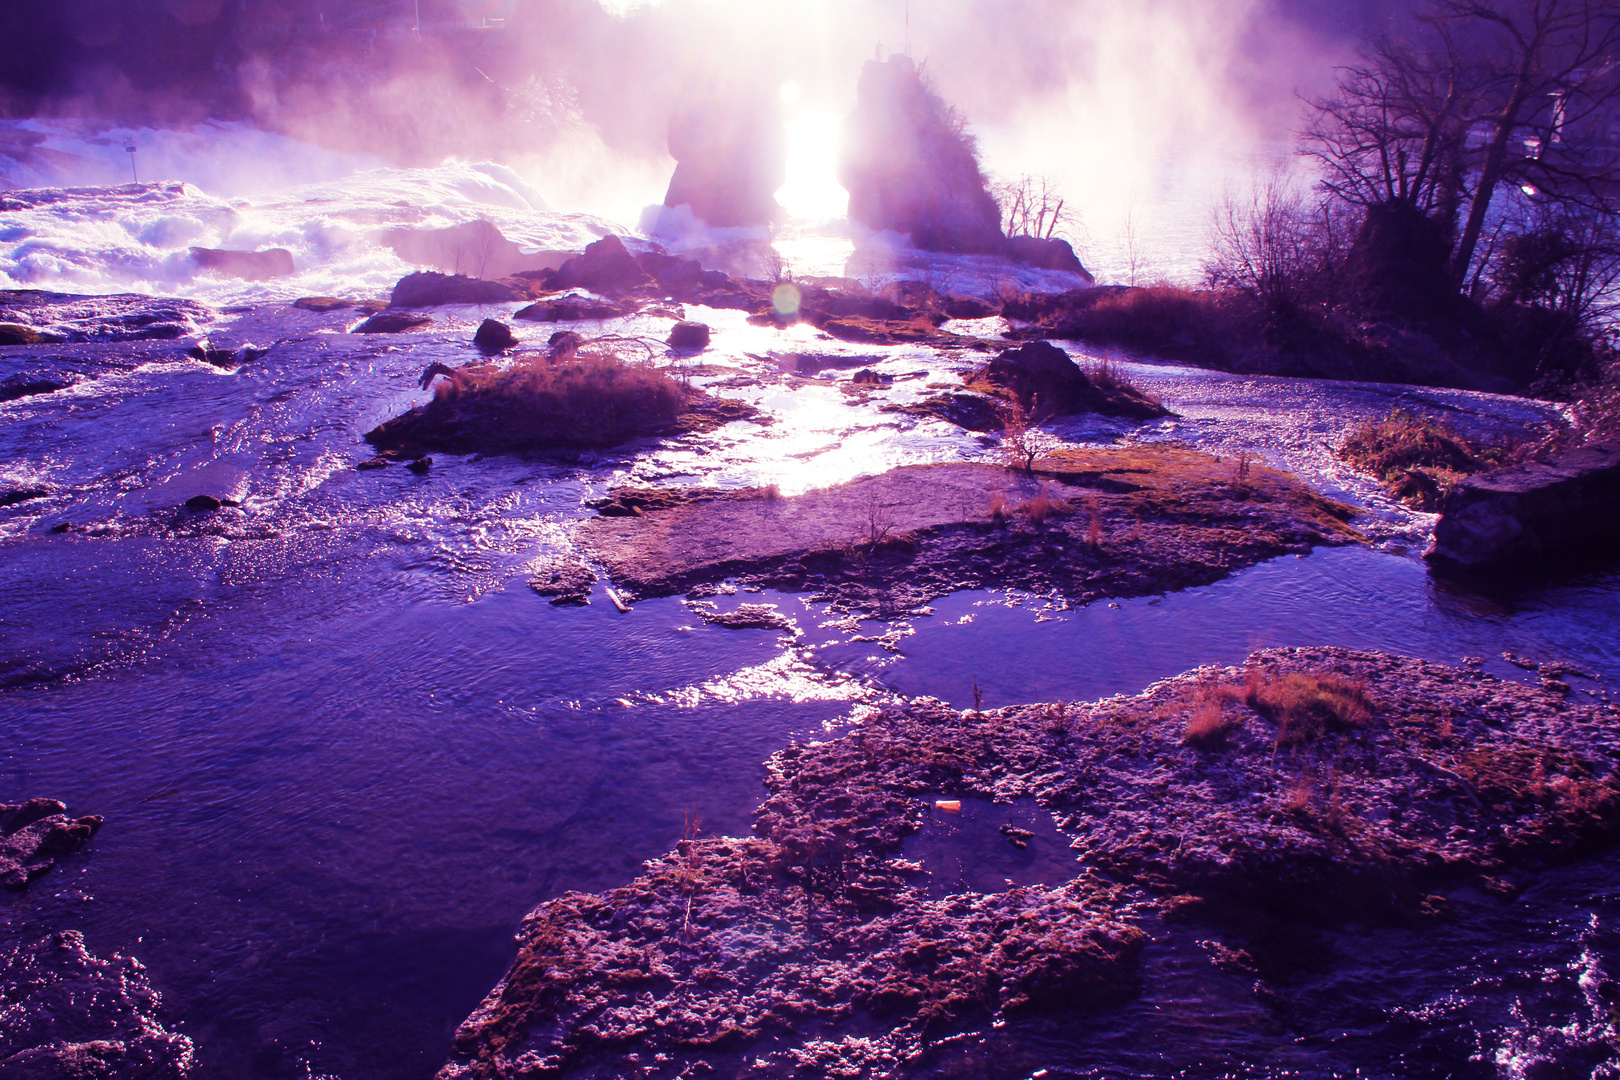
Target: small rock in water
(392,322)
(321,303)
(420,466)
(378,462)
(33,833)
(493,337)
(203,503)
(24,385)
(689,335)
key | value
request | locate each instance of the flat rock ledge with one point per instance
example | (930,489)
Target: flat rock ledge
(1125,521)
(34,834)
(1309,787)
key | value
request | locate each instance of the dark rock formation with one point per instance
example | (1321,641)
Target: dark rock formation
(18,334)
(1523,514)
(1046,253)
(21,495)
(689,335)
(1044,381)
(69,1015)
(65,317)
(249,265)
(321,304)
(33,834)
(606,267)
(493,337)
(474,248)
(909,164)
(731,156)
(25,385)
(571,309)
(1399,265)
(430,289)
(393,322)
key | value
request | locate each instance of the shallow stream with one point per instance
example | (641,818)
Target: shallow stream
(342,749)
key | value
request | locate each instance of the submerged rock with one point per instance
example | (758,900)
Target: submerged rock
(322,304)
(68,1015)
(1523,514)
(571,309)
(248,265)
(33,835)
(23,384)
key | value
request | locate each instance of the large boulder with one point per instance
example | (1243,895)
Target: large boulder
(1523,514)
(1044,381)
(909,164)
(476,248)
(731,156)
(430,289)
(249,265)
(606,267)
(1045,253)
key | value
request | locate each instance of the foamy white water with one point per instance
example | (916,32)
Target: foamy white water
(73,223)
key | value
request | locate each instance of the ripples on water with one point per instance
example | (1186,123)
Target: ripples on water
(341,748)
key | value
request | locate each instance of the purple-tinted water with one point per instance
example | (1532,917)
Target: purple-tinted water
(341,748)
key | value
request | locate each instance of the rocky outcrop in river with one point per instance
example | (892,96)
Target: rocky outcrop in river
(34,834)
(1084,523)
(1305,789)
(1523,514)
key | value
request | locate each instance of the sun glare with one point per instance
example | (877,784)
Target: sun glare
(812,190)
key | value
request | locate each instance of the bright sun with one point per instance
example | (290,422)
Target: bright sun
(812,189)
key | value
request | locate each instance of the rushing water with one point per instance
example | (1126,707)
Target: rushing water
(341,748)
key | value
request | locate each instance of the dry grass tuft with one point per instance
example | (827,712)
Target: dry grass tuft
(1307,706)
(1417,458)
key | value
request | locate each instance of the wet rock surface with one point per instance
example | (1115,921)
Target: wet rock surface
(1524,514)
(67,317)
(813,949)
(1121,522)
(247,265)
(68,1015)
(34,834)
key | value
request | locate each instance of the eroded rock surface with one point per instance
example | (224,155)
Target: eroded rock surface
(1238,797)
(34,834)
(1119,522)
(68,1015)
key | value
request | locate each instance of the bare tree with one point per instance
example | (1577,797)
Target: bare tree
(1031,206)
(1275,248)
(1489,95)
